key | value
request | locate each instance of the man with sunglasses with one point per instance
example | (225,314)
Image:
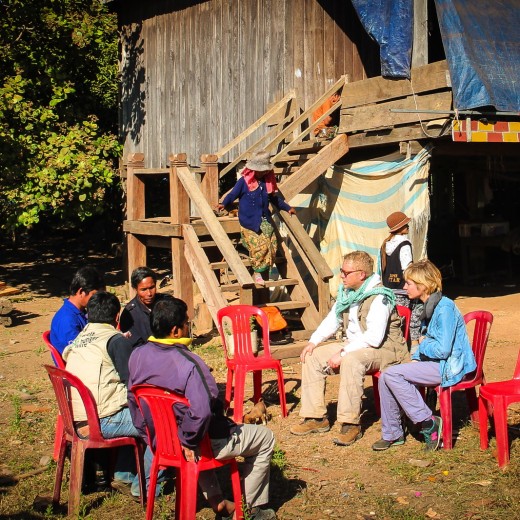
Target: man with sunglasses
(373,341)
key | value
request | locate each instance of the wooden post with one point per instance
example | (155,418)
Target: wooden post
(180,214)
(420,33)
(209,182)
(136,249)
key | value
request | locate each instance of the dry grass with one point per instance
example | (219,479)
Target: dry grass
(310,479)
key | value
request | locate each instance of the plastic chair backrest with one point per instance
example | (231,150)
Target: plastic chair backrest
(406,314)
(160,403)
(56,356)
(483,322)
(241,317)
(516,374)
(63,383)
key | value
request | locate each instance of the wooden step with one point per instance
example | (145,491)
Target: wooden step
(247,262)
(289,351)
(285,306)
(308,147)
(286,170)
(283,282)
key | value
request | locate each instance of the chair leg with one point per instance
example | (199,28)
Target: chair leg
(500,419)
(77,461)
(59,470)
(375,389)
(257,386)
(237,490)
(154,470)
(238,398)
(139,460)
(471,398)
(57,437)
(281,391)
(446,414)
(229,389)
(483,423)
(189,477)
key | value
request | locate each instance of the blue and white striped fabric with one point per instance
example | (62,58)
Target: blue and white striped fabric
(346,209)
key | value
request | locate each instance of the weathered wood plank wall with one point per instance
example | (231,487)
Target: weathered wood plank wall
(197,73)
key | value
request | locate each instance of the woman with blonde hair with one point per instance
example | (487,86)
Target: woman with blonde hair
(444,357)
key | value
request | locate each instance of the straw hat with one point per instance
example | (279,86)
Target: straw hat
(397,220)
(260,162)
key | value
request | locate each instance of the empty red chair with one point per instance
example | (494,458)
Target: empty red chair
(160,402)
(63,382)
(500,395)
(405,313)
(58,361)
(483,321)
(244,360)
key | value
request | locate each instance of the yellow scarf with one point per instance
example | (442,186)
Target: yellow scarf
(171,341)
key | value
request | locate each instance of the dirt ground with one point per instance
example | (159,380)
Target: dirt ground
(312,478)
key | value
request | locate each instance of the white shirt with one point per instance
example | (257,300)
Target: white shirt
(405,255)
(377,321)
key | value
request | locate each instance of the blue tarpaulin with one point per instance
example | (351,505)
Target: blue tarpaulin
(482,44)
(390,24)
(481,40)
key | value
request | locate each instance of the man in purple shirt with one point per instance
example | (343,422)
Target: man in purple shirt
(166,361)
(71,318)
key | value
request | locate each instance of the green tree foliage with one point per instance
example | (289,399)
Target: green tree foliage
(58,110)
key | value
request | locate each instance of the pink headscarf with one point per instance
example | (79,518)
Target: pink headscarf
(252,180)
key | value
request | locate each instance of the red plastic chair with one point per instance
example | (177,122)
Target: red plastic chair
(63,383)
(244,360)
(406,314)
(56,356)
(160,403)
(483,321)
(500,395)
(58,361)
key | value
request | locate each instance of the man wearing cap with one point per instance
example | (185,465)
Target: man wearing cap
(373,341)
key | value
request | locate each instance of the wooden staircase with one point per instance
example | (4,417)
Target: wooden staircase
(207,247)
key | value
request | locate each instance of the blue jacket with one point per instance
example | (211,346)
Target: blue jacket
(67,323)
(253,205)
(446,339)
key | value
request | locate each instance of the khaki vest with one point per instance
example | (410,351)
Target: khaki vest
(394,349)
(87,358)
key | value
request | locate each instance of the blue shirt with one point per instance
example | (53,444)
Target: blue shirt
(67,323)
(253,205)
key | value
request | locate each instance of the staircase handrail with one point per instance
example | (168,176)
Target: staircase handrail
(257,124)
(299,138)
(306,247)
(303,116)
(255,146)
(214,228)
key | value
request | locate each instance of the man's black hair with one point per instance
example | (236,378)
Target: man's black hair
(167,313)
(87,278)
(103,307)
(139,274)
